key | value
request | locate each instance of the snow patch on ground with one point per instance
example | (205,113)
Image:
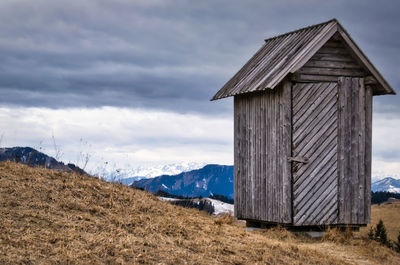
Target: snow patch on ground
(393,189)
(167,199)
(221,207)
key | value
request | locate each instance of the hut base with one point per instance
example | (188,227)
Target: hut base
(255,225)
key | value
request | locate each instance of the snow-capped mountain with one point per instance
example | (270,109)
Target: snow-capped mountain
(206,181)
(387,184)
(128,174)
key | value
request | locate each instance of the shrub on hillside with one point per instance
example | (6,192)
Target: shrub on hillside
(397,244)
(379,234)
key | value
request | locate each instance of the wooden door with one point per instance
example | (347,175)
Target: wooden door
(314,147)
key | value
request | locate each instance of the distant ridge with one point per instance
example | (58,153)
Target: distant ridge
(206,181)
(32,157)
(386,184)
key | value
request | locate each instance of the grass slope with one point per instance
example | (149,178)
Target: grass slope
(51,217)
(390,215)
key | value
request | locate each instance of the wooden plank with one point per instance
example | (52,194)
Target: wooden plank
(368,153)
(300,78)
(235,156)
(251,160)
(333,50)
(286,173)
(246,158)
(332,71)
(347,152)
(263,159)
(334,44)
(273,157)
(354,162)
(341,144)
(278,158)
(241,156)
(332,64)
(269,159)
(331,57)
(259,157)
(361,152)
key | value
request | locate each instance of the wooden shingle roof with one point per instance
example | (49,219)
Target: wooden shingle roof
(286,54)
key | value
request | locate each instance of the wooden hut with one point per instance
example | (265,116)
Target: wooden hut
(302,129)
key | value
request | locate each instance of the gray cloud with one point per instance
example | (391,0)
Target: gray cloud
(171,55)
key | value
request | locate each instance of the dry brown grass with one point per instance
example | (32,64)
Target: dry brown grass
(50,217)
(390,215)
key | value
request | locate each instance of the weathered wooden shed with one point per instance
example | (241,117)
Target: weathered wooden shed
(302,129)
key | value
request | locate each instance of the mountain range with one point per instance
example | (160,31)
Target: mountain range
(386,184)
(185,179)
(32,157)
(128,174)
(217,179)
(209,180)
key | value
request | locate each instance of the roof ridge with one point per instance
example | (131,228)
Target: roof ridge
(301,29)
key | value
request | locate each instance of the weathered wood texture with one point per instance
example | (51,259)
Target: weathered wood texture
(354,151)
(334,59)
(315,131)
(262,123)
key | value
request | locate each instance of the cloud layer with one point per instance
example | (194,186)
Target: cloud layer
(120,136)
(171,55)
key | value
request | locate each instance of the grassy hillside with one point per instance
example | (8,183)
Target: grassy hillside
(390,215)
(51,217)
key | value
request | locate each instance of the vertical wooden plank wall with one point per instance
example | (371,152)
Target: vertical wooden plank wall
(368,153)
(262,123)
(354,152)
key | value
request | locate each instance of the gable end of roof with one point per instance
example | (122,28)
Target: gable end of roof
(286,53)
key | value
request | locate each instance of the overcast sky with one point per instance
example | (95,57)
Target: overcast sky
(130,81)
